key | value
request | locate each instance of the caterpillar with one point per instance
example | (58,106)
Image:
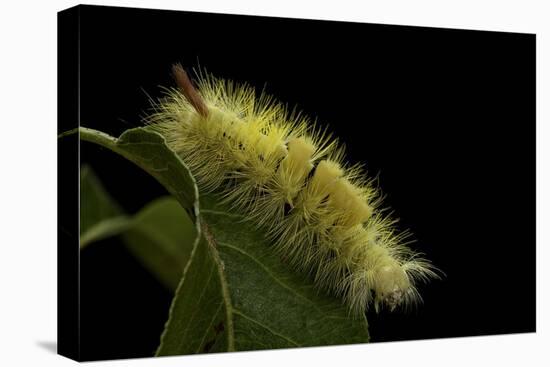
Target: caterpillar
(323,216)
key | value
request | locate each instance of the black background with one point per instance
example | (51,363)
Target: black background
(445,117)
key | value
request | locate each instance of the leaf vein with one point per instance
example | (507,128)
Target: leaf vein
(240,313)
(266,269)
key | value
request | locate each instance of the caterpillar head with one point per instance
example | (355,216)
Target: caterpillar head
(392,286)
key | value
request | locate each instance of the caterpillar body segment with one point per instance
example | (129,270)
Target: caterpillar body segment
(291,180)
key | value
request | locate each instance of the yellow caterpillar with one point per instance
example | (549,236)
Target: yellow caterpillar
(292,181)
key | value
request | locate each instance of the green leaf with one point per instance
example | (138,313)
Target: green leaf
(235,294)
(161,237)
(100,215)
(148,150)
(265,305)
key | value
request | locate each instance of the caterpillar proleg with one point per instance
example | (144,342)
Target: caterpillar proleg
(291,179)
